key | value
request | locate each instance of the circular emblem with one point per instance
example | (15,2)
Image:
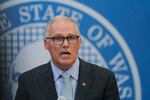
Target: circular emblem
(23,26)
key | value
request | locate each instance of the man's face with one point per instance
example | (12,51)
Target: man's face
(65,54)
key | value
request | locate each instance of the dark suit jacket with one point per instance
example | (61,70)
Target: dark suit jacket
(38,84)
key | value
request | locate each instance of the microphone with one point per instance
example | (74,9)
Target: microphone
(61,98)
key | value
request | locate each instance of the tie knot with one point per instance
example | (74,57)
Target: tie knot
(65,75)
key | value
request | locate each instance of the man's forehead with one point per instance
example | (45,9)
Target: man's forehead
(62,26)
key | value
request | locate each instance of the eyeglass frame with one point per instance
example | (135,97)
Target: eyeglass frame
(64,37)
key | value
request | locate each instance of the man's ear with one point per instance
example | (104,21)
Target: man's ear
(45,44)
(79,42)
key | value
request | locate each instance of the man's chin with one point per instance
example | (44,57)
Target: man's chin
(66,63)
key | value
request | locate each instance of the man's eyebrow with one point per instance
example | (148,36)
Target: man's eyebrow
(70,34)
(57,35)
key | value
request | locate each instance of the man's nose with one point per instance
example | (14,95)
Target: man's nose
(65,43)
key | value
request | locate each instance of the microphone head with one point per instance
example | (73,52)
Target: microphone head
(61,98)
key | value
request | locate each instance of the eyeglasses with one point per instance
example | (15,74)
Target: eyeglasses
(72,39)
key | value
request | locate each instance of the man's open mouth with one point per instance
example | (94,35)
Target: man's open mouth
(65,53)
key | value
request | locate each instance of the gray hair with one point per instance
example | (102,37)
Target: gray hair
(61,17)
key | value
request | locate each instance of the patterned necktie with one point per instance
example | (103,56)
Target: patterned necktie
(66,89)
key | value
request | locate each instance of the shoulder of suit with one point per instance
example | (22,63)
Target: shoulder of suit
(36,70)
(96,68)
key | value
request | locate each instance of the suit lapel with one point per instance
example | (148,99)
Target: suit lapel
(84,81)
(46,82)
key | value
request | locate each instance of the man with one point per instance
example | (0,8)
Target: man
(46,82)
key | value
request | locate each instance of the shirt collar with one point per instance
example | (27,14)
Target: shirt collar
(73,71)
(56,71)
